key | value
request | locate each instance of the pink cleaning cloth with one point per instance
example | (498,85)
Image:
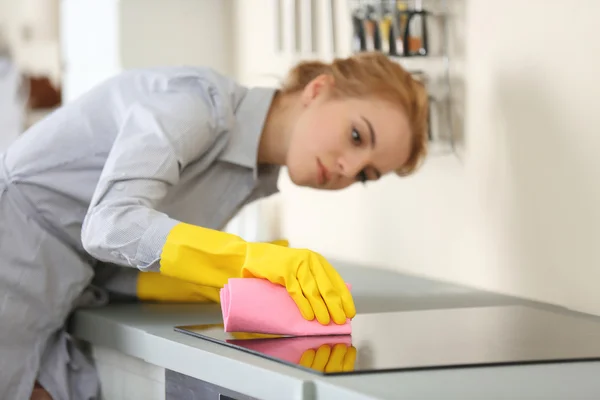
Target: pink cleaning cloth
(259,306)
(291,349)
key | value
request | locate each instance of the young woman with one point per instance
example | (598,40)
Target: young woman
(145,169)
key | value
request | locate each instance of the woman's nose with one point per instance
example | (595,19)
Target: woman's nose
(350,166)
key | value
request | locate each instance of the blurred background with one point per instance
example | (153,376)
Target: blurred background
(507,201)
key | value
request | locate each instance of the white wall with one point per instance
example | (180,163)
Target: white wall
(520,214)
(100,38)
(159,32)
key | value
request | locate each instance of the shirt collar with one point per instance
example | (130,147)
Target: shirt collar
(250,119)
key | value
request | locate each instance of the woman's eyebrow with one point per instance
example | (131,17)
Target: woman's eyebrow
(371,131)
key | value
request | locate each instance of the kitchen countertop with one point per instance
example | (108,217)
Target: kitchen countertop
(145,331)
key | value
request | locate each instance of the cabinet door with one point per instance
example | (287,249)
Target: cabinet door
(182,387)
(12,103)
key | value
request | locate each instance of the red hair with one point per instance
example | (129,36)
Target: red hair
(374,75)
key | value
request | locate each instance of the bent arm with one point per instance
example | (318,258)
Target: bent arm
(157,139)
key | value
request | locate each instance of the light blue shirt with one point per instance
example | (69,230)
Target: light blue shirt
(111,173)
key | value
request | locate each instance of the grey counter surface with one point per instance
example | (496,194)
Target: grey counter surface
(146,331)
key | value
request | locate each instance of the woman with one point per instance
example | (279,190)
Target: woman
(143,171)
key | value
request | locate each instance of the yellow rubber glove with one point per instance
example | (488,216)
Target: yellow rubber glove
(339,358)
(154,286)
(312,282)
(281,242)
(209,258)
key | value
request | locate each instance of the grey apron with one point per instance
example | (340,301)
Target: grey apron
(41,280)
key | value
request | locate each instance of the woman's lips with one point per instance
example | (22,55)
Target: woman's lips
(323,175)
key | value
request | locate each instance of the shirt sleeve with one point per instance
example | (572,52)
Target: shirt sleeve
(158,138)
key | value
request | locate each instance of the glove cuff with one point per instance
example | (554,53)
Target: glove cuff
(203,256)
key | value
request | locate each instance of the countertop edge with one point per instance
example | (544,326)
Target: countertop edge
(168,354)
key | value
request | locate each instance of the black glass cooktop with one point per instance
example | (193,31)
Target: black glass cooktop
(428,339)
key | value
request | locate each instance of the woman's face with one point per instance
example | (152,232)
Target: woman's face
(336,142)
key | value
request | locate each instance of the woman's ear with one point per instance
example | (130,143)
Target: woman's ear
(317,87)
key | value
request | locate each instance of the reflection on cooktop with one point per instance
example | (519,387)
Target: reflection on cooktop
(426,339)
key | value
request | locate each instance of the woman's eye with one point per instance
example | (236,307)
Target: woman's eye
(356,137)
(362,176)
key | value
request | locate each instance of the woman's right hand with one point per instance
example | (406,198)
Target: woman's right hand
(209,258)
(312,282)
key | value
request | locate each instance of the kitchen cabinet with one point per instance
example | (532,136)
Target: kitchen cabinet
(12,102)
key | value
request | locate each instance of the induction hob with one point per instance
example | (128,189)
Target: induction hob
(428,339)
